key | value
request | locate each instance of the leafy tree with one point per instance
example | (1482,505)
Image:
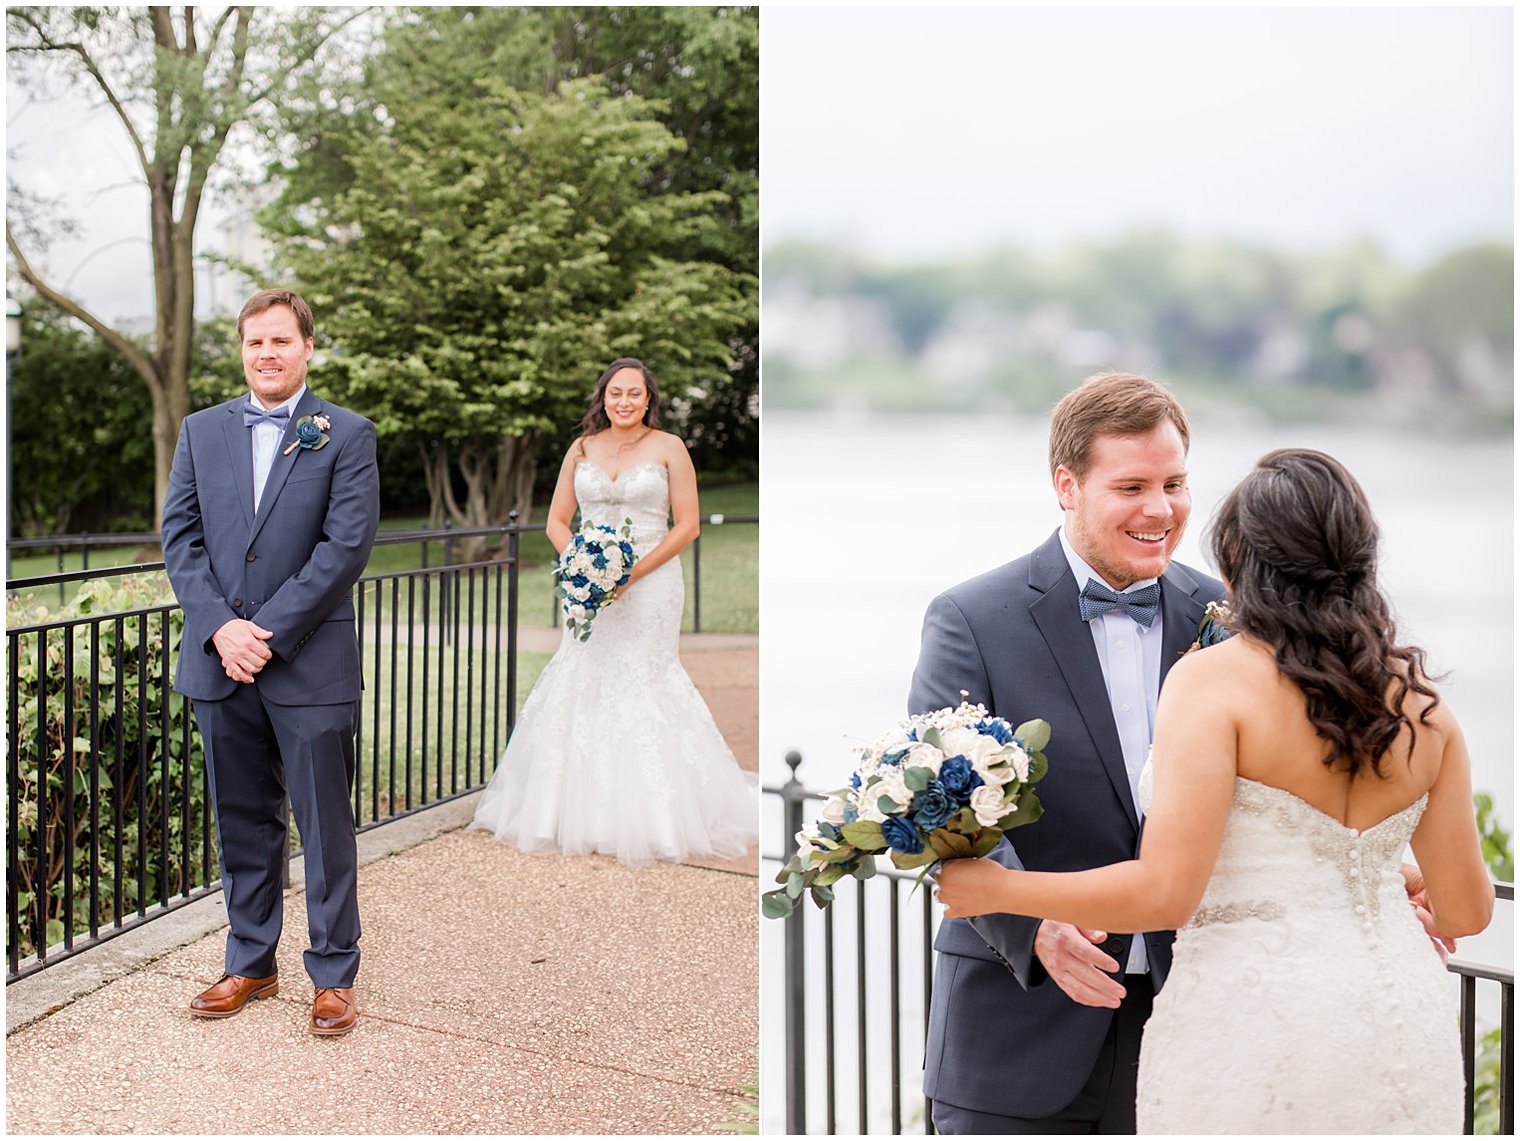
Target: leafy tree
(698,70)
(81,437)
(1498,850)
(179,83)
(484,261)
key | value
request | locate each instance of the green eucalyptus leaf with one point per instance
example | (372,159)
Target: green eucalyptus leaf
(1035,734)
(949,845)
(776,905)
(865,835)
(1027,811)
(903,861)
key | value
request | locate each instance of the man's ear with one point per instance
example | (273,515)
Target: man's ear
(1066,485)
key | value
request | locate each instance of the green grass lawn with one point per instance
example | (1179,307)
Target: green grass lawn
(435,719)
(730,557)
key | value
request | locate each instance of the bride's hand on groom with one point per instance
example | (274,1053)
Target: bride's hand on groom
(1414,887)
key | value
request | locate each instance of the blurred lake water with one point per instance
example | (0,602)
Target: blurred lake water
(868,517)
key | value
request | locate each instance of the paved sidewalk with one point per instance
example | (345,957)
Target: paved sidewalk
(500,993)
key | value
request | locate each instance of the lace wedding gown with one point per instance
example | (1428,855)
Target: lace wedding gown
(615,751)
(1304,996)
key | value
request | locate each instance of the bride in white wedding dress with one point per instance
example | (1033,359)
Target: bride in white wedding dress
(1293,763)
(615,751)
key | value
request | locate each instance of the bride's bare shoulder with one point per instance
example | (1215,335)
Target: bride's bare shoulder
(1236,664)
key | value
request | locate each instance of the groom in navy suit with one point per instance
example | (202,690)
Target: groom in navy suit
(270,515)
(1035,1026)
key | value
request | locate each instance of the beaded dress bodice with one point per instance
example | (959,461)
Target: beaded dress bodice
(641,492)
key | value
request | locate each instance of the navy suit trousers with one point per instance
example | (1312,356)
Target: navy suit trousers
(1106,1103)
(256,751)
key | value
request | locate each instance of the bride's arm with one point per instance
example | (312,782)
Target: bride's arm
(684,512)
(1195,748)
(562,506)
(1446,842)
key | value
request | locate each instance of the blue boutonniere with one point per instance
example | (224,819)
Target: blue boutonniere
(1214,628)
(311,433)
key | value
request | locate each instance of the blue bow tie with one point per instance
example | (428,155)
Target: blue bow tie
(253,414)
(1097,600)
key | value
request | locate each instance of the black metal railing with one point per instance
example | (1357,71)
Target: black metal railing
(109,823)
(85,542)
(833,983)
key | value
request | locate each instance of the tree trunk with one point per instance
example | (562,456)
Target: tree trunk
(498,477)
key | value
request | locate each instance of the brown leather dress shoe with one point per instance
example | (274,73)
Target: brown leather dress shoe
(230,994)
(333,1011)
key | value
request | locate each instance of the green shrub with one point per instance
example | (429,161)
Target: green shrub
(136,746)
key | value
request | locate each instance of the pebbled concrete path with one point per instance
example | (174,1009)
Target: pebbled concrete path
(500,993)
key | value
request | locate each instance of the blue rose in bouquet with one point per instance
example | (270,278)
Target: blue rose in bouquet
(938,786)
(597,560)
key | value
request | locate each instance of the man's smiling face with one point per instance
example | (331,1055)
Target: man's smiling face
(1126,515)
(274,355)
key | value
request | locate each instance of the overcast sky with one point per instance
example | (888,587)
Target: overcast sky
(916,133)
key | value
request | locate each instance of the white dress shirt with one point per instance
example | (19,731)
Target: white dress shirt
(266,440)
(1130,656)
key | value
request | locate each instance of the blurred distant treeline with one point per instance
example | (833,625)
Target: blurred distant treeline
(1346,334)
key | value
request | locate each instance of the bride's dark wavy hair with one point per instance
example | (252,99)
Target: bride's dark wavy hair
(1296,542)
(596,419)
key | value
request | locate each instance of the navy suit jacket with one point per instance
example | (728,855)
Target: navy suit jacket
(1014,641)
(291,567)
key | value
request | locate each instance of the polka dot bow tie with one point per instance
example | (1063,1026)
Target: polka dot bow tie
(1097,599)
(279,417)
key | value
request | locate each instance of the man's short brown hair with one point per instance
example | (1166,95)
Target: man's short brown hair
(268,299)
(1109,404)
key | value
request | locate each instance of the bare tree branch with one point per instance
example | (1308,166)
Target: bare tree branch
(122,344)
(221,22)
(46,44)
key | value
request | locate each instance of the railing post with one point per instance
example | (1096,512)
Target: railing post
(513,546)
(696,587)
(445,587)
(792,796)
(1506,1057)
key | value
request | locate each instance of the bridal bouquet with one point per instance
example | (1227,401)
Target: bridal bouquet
(596,562)
(938,786)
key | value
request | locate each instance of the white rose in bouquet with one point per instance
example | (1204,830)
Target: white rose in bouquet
(865,804)
(987,803)
(922,756)
(960,742)
(891,783)
(1018,760)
